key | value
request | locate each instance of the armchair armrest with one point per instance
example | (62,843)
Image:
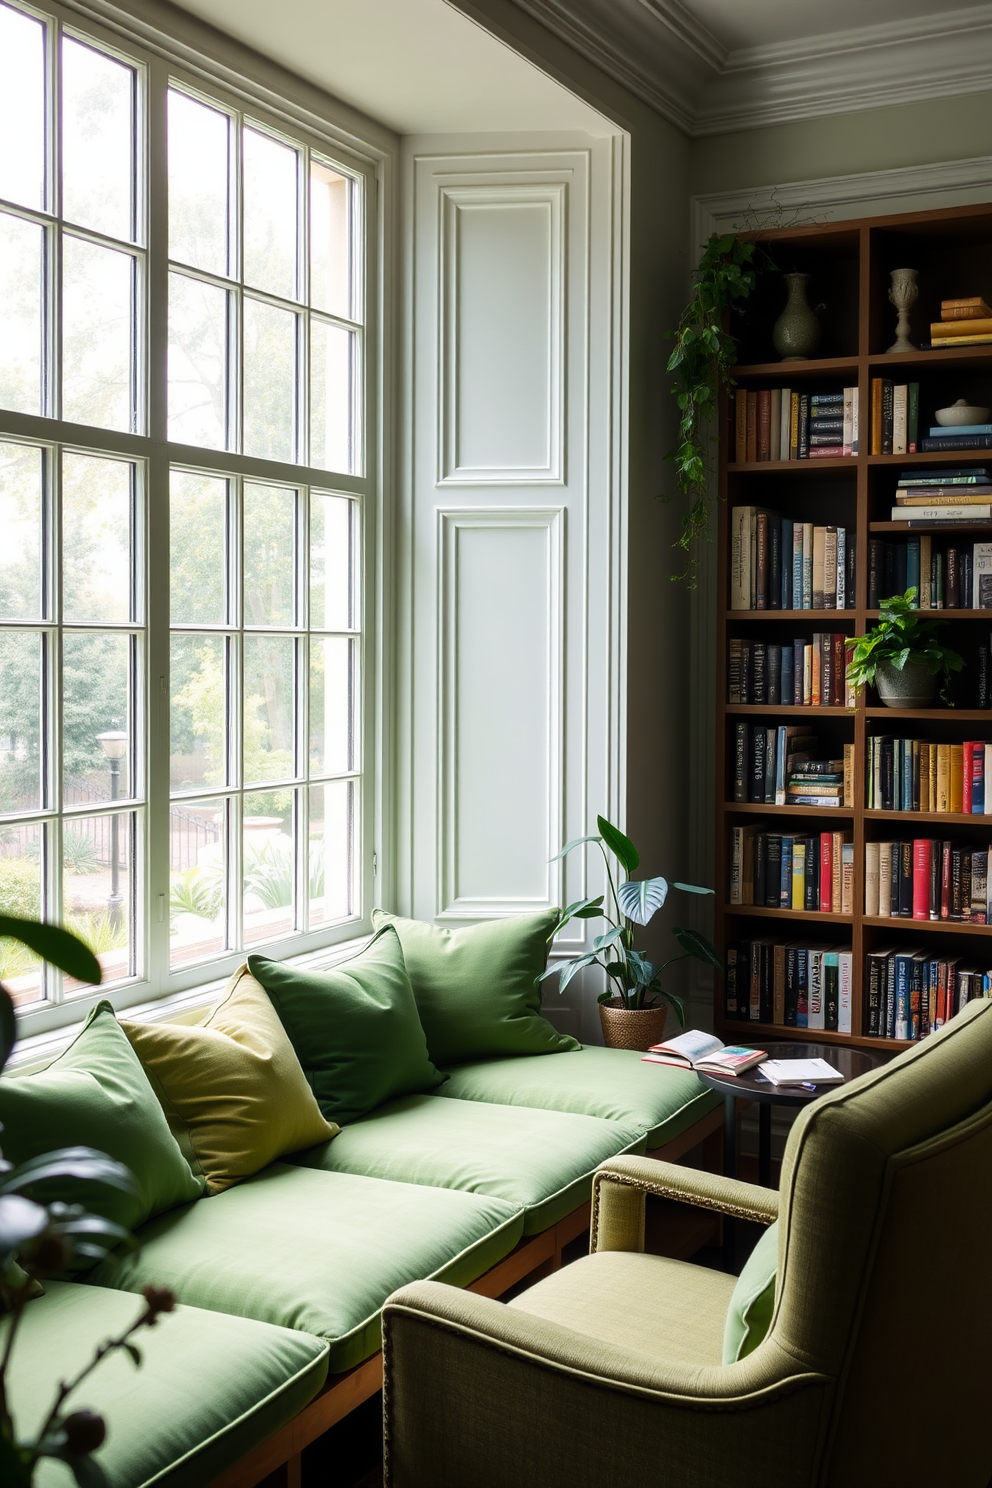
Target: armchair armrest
(620,1186)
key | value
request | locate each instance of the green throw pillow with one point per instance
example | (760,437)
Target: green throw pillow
(477,988)
(96,1094)
(354,1027)
(749,1315)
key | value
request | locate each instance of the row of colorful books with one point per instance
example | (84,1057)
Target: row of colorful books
(780,564)
(782,424)
(781,765)
(928,879)
(952,577)
(922,775)
(793,985)
(894,417)
(963,322)
(810,872)
(957,494)
(910,993)
(803,672)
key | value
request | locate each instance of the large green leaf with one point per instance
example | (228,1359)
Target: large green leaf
(640,899)
(642,971)
(570,968)
(696,945)
(608,938)
(70,1162)
(56,945)
(622,847)
(575,842)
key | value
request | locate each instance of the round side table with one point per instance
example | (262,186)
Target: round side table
(754,1087)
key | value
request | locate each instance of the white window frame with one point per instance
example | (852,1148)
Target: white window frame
(218,73)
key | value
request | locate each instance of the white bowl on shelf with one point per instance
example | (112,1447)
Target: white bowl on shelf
(961,413)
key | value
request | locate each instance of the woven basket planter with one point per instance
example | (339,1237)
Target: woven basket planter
(632,1028)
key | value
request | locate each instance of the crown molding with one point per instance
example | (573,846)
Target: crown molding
(663,55)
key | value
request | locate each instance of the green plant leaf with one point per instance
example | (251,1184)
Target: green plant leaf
(55,945)
(640,899)
(691,888)
(622,848)
(575,842)
(608,938)
(572,967)
(20,1220)
(70,1162)
(642,972)
(133,1353)
(696,945)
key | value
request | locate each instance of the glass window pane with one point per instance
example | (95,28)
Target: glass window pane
(22,279)
(197,881)
(21,878)
(269,701)
(270,372)
(198,711)
(96,538)
(22,108)
(333,562)
(97,320)
(21,498)
(97,885)
(198,337)
(332,705)
(331,202)
(269,548)
(98,129)
(95,701)
(198,544)
(271,213)
(199,184)
(269,867)
(331,864)
(334,433)
(21,786)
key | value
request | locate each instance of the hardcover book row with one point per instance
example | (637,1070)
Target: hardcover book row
(781,424)
(778,767)
(801,673)
(919,775)
(779,564)
(957,576)
(928,879)
(779,870)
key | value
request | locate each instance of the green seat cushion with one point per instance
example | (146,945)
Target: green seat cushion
(654,1099)
(209,1388)
(354,1027)
(316,1251)
(96,1094)
(477,987)
(749,1315)
(538,1161)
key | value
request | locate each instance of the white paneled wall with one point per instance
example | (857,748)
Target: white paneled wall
(510,541)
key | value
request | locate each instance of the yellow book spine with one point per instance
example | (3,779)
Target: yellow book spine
(957,778)
(799,876)
(943,777)
(933,778)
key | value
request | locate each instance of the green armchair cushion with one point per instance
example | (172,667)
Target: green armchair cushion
(317,1251)
(614,1084)
(477,987)
(96,1094)
(354,1027)
(210,1388)
(752,1303)
(538,1161)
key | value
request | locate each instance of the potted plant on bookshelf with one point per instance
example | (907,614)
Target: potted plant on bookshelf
(635,1006)
(902,656)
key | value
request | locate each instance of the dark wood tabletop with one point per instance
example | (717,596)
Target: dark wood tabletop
(752,1086)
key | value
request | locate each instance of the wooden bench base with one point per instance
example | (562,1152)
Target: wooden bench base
(276,1462)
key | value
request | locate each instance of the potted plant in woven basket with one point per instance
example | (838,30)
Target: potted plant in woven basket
(635,1005)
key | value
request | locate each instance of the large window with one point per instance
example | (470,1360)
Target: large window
(184,519)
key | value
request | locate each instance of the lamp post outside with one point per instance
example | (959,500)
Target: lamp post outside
(114,745)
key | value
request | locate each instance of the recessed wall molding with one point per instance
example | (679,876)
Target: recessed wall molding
(667,57)
(501,352)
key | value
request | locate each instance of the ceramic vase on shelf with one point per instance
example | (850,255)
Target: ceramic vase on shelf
(903,294)
(796,333)
(913,687)
(632,1028)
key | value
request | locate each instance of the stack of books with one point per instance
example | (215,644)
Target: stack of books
(777,870)
(895,417)
(919,775)
(780,564)
(952,495)
(911,993)
(798,673)
(767,761)
(945,577)
(927,879)
(965,322)
(792,985)
(779,424)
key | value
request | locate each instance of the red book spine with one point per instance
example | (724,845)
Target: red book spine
(838,674)
(826,872)
(945,881)
(940,1017)
(765,424)
(761,564)
(921,878)
(967,778)
(977,773)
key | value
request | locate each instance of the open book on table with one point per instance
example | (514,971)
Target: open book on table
(704,1051)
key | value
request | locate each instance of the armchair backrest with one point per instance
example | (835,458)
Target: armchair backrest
(884,1278)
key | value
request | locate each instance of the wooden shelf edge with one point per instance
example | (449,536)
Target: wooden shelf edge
(957,818)
(817,1035)
(807,708)
(801,614)
(788,914)
(760,807)
(959,715)
(928,927)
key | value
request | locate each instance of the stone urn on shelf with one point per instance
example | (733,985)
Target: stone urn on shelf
(797,332)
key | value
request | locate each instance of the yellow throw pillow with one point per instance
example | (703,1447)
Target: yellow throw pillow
(232,1088)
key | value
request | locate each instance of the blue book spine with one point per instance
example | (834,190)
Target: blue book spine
(785,882)
(787,563)
(913,568)
(787,690)
(897,775)
(781,745)
(907,776)
(978,784)
(938,431)
(902,996)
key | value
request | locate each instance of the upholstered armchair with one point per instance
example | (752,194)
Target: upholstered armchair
(608,1374)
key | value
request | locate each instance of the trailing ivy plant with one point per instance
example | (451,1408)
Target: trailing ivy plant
(703,356)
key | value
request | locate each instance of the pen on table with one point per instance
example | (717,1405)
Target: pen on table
(807,1084)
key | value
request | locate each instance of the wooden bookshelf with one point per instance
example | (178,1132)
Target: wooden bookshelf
(850,264)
